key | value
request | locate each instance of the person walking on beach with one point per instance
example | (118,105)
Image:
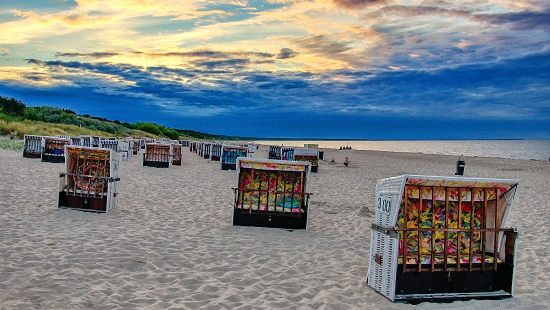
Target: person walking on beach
(346,162)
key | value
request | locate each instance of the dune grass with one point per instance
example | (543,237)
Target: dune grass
(8,144)
(18,129)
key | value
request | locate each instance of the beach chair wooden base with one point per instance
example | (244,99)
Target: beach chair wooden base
(215,158)
(156,164)
(135,152)
(269,219)
(314,169)
(89,204)
(229,166)
(31,155)
(454,285)
(53,158)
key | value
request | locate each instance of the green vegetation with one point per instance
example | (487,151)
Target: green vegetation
(7,144)
(17,120)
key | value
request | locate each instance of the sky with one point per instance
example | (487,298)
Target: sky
(333,69)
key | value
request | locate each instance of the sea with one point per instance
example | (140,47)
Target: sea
(514,149)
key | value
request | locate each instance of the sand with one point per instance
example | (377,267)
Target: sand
(171,244)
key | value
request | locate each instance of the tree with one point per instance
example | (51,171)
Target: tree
(12,106)
(148,127)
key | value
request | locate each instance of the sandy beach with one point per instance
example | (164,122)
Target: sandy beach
(171,243)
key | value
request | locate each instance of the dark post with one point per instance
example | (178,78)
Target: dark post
(460,166)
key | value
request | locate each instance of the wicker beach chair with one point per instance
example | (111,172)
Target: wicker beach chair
(33,146)
(90,182)
(54,149)
(176,154)
(271,193)
(230,153)
(311,155)
(216,152)
(206,150)
(76,141)
(442,238)
(157,155)
(274,152)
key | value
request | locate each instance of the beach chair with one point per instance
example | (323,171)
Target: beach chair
(63,137)
(437,238)
(76,141)
(206,150)
(311,155)
(109,144)
(54,149)
(200,149)
(86,140)
(251,149)
(157,155)
(95,141)
(274,152)
(90,182)
(271,193)
(184,143)
(135,145)
(124,149)
(33,146)
(216,151)
(230,153)
(176,154)
(287,153)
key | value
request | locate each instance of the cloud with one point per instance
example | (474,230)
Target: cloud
(323,45)
(411,11)
(231,64)
(286,53)
(207,54)
(526,20)
(88,55)
(507,89)
(357,4)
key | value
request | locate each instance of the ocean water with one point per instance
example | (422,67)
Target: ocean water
(515,149)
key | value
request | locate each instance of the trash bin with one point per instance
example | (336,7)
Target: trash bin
(321,155)
(460,167)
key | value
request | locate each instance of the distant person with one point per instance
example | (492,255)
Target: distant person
(332,162)
(346,162)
